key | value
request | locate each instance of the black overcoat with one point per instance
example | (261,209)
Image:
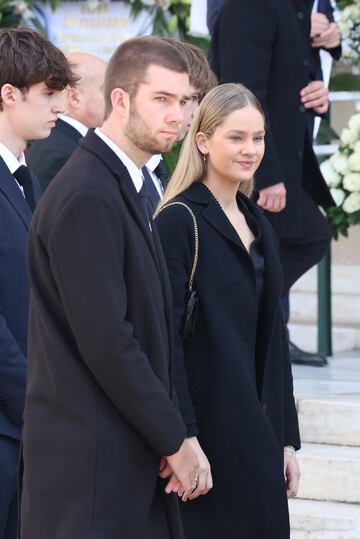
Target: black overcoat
(99,408)
(242,425)
(266,46)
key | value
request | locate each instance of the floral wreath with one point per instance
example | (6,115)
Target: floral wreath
(171,17)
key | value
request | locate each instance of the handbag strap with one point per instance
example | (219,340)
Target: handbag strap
(196,236)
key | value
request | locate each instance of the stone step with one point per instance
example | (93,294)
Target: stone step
(330,473)
(311,519)
(333,420)
(344,338)
(304,308)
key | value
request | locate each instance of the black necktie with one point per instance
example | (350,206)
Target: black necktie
(23,177)
(152,192)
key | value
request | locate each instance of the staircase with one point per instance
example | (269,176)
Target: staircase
(328,400)
(345,309)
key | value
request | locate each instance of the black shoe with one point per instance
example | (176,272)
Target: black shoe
(299,357)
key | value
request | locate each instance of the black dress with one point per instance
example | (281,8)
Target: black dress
(234,379)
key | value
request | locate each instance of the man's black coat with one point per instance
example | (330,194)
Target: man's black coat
(266,46)
(99,408)
(47,156)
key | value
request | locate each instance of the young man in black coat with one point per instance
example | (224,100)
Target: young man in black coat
(101,419)
(33,74)
(266,46)
(84,105)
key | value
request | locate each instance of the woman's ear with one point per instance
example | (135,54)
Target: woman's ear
(202,143)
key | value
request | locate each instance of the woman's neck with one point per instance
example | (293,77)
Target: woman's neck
(224,191)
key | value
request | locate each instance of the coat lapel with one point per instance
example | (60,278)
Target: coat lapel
(97,146)
(271,297)
(13,194)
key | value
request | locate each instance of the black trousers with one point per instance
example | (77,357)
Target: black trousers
(298,255)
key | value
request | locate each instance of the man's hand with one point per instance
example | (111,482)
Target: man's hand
(319,24)
(273,198)
(315,96)
(291,473)
(185,468)
(205,481)
(329,39)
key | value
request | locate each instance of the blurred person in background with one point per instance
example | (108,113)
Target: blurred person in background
(84,109)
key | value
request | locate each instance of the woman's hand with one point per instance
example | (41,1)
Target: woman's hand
(205,481)
(291,473)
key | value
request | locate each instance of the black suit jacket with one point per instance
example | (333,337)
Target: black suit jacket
(47,156)
(100,394)
(266,46)
(15,216)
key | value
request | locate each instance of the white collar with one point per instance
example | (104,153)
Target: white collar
(154,162)
(133,170)
(10,160)
(74,123)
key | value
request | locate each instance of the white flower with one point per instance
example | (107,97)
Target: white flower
(338,196)
(149,2)
(353,162)
(348,136)
(351,181)
(354,124)
(331,177)
(357,147)
(339,162)
(352,203)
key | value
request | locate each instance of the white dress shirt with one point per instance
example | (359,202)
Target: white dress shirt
(133,170)
(74,123)
(151,166)
(12,162)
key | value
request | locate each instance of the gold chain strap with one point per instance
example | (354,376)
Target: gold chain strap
(196,234)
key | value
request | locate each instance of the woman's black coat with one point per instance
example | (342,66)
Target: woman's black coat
(242,425)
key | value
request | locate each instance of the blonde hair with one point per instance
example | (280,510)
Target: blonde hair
(213,111)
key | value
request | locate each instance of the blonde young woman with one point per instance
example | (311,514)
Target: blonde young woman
(233,377)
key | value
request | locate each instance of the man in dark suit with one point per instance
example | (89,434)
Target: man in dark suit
(101,416)
(84,106)
(272,47)
(33,74)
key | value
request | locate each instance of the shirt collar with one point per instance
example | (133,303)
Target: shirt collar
(74,123)
(154,162)
(10,160)
(133,170)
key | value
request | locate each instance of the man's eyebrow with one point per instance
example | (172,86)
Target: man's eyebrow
(170,94)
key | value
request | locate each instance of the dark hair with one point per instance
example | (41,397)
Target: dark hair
(28,58)
(202,78)
(129,64)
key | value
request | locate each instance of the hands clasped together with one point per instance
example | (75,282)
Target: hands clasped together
(188,471)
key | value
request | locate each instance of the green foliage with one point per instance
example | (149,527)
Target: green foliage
(345,82)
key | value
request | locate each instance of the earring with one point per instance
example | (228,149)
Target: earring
(205,158)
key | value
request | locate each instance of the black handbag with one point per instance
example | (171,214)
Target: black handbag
(192,299)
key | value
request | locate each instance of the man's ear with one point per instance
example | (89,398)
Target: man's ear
(120,100)
(10,95)
(202,143)
(73,97)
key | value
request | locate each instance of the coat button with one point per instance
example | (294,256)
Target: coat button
(264,407)
(306,63)
(300,15)
(302,108)
(300,154)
